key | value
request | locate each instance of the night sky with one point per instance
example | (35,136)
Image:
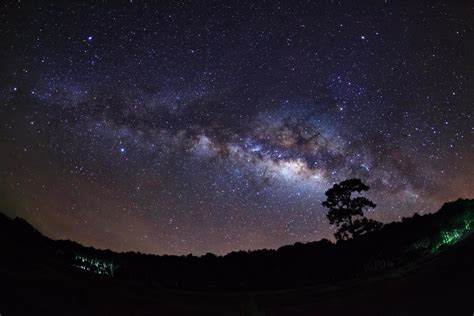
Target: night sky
(195,127)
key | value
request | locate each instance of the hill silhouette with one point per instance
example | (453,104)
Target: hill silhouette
(421,256)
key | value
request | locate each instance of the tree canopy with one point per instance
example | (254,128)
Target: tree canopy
(346,210)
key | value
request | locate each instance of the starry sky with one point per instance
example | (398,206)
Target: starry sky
(202,126)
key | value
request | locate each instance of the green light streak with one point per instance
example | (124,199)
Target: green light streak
(450,237)
(97,266)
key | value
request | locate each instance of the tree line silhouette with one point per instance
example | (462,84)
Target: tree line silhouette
(364,247)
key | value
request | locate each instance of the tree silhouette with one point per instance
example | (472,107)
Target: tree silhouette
(347,211)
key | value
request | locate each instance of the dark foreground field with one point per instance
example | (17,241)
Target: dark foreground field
(441,285)
(423,265)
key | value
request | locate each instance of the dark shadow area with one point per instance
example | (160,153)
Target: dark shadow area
(421,265)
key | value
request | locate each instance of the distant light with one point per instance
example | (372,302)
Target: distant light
(122,150)
(14,88)
(362,37)
(89,38)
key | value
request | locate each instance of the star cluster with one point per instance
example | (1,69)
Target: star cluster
(194,127)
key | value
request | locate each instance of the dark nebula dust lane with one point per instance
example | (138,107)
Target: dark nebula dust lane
(195,127)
